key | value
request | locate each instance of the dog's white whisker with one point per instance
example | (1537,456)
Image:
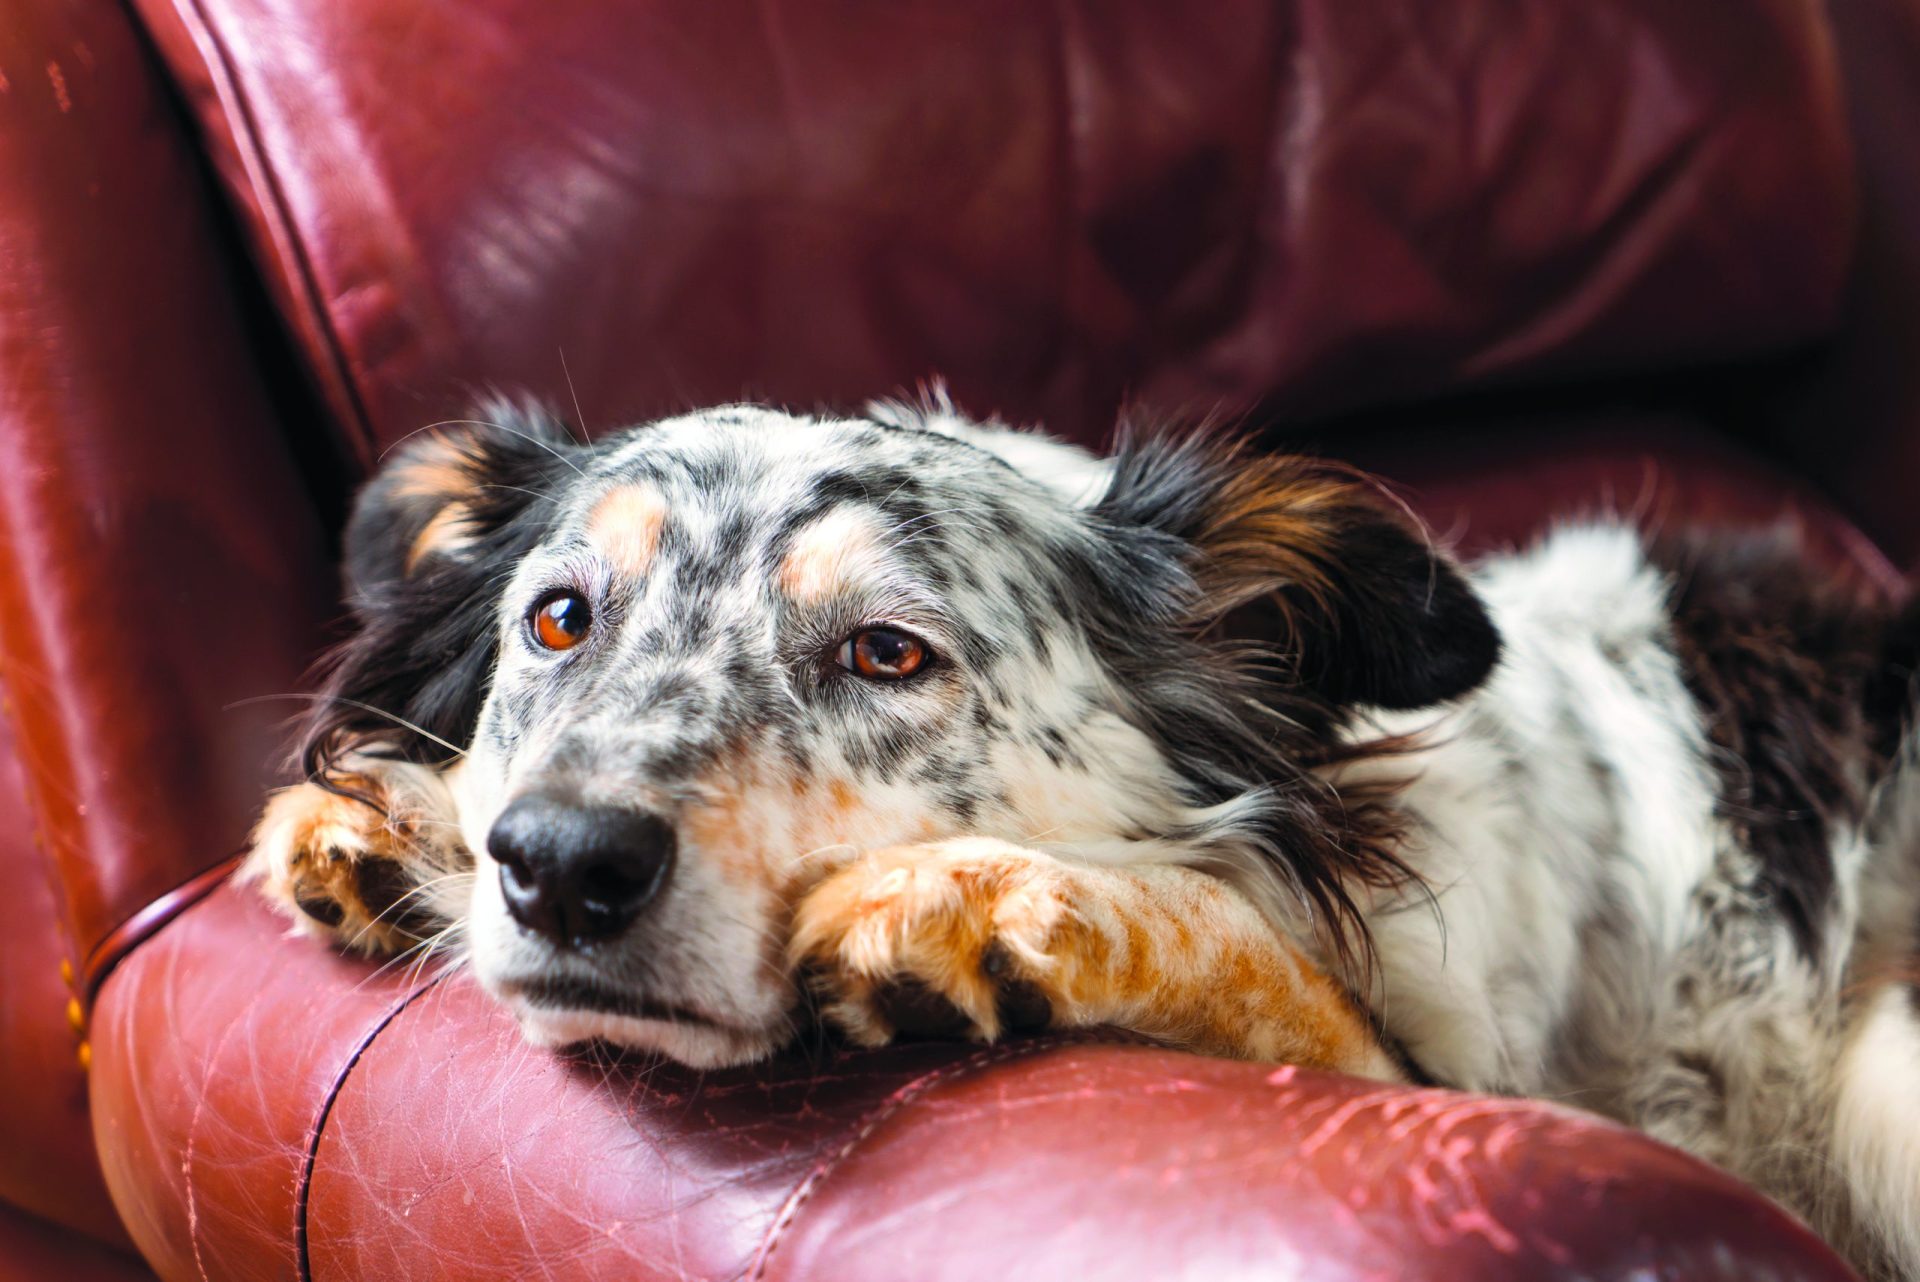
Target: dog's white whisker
(536,495)
(396,719)
(528,437)
(579,419)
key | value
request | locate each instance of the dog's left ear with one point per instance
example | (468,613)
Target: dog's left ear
(1309,558)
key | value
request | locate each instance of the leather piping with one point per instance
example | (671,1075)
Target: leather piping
(143,924)
(305,1185)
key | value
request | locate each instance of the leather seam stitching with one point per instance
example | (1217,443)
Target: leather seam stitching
(305,1185)
(246,135)
(905,1095)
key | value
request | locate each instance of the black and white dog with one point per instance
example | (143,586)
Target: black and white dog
(956,729)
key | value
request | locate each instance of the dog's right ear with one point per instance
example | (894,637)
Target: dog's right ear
(441,498)
(427,546)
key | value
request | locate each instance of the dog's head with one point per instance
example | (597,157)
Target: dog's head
(696,665)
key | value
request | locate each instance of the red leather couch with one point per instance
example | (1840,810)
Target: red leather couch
(1518,254)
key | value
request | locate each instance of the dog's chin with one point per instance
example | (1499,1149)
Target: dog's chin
(697,1045)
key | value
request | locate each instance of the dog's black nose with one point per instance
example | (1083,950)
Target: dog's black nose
(574,873)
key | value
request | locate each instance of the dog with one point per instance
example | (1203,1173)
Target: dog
(935,727)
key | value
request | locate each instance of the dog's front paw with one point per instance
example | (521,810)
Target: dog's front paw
(955,939)
(340,867)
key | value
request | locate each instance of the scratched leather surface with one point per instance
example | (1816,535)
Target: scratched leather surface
(1173,1166)
(1308,203)
(213,1056)
(453,1151)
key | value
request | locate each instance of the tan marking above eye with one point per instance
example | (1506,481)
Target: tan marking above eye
(561,620)
(882,654)
(826,553)
(625,526)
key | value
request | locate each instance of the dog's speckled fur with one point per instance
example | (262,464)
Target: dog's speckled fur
(1210,743)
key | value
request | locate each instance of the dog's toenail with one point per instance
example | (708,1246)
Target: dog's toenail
(996,961)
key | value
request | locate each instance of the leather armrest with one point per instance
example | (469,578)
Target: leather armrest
(158,557)
(266,1108)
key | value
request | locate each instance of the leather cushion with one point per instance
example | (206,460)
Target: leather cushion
(441,1146)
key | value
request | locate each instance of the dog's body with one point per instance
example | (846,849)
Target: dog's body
(1676,870)
(968,732)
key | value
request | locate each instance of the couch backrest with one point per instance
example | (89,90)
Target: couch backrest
(1301,204)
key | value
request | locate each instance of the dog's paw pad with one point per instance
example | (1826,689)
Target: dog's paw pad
(943,942)
(338,867)
(916,1010)
(318,904)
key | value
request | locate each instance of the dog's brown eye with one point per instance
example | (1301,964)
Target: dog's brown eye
(882,654)
(561,620)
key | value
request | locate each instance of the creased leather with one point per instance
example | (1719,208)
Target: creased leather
(1307,204)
